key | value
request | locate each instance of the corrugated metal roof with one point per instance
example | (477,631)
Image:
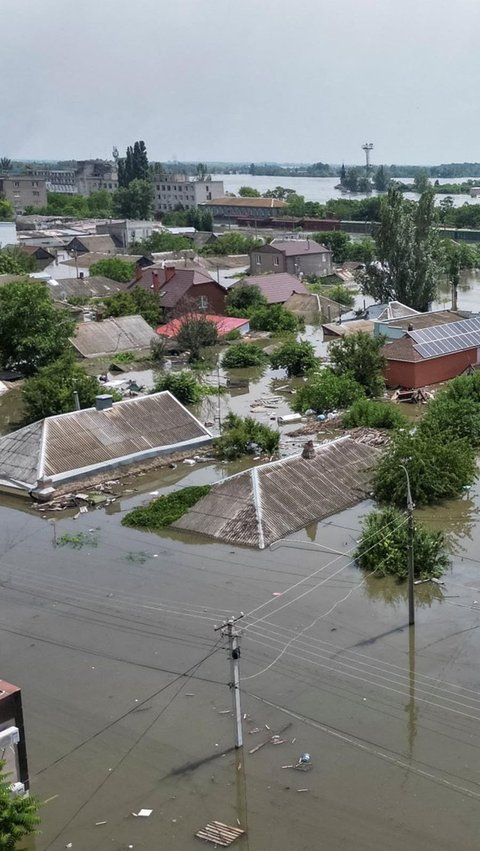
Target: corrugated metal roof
(60,447)
(91,287)
(120,334)
(262,505)
(101,242)
(275,287)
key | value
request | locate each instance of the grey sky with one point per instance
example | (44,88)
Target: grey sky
(241,79)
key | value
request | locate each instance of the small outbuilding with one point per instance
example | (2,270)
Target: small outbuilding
(110,336)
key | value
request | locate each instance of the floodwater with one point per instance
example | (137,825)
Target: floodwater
(321,189)
(98,635)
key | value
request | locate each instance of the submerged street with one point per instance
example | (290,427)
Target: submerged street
(98,630)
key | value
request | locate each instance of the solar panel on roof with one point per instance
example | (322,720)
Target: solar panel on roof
(446,339)
(441,332)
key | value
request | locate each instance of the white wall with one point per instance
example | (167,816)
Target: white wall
(8,234)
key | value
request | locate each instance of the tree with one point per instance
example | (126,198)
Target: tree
(327,392)
(18,815)
(359,355)
(7,213)
(296,358)
(134,201)
(162,242)
(445,205)
(201,171)
(33,332)
(51,390)
(134,166)
(14,261)
(5,164)
(100,204)
(248,192)
(135,301)
(231,243)
(295,205)
(341,295)
(195,334)
(381,179)
(439,468)
(114,268)
(183,385)
(407,267)
(384,543)
(274,318)
(421,182)
(337,241)
(242,298)
(343,174)
(243,435)
(366,412)
(242,355)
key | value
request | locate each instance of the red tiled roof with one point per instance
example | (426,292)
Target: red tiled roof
(277,287)
(224,324)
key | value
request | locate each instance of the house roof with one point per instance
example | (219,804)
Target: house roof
(259,506)
(35,249)
(295,247)
(276,287)
(423,320)
(353,326)
(87,260)
(402,350)
(271,203)
(120,334)
(100,242)
(435,341)
(93,287)
(224,324)
(176,287)
(61,446)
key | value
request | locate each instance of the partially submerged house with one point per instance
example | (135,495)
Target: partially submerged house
(259,506)
(276,288)
(110,336)
(223,324)
(177,287)
(293,256)
(333,330)
(40,457)
(396,327)
(312,306)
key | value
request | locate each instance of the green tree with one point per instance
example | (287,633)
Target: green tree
(381,179)
(243,435)
(100,204)
(384,543)
(231,243)
(296,358)
(445,206)
(366,412)
(439,469)
(51,390)
(248,192)
(362,250)
(296,205)
(343,174)
(274,318)
(18,815)
(242,355)
(5,164)
(14,261)
(337,241)
(421,182)
(115,268)
(327,392)
(33,332)
(341,295)
(360,356)
(7,213)
(135,301)
(134,201)
(243,298)
(162,242)
(406,241)
(195,334)
(183,385)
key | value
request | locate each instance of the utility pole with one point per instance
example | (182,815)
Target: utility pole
(228,630)
(410,555)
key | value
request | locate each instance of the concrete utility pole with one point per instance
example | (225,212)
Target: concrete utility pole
(410,556)
(228,630)
(367,147)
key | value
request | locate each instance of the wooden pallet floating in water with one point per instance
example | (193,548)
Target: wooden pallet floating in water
(219,833)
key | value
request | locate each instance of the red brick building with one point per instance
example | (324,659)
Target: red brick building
(431,355)
(191,288)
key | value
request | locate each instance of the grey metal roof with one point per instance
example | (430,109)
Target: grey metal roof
(446,339)
(65,446)
(262,505)
(120,334)
(93,287)
(100,242)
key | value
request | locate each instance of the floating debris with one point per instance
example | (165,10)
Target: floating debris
(219,834)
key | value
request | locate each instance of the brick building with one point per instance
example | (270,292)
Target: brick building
(180,289)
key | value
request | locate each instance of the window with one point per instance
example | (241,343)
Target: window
(16,183)
(203,302)
(163,189)
(158,186)
(276,261)
(258,259)
(168,189)
(35,192)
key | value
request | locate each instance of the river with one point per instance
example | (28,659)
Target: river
(321,189)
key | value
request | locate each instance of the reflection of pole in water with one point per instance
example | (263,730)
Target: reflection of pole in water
(241,784)
(411,708)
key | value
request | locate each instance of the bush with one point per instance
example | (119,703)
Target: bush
(51,390)
(383,547)
(341,295)
(296,358)
(183,385)
(162,242)
(231,243)
(365,412)
(243,354)
(359,355)
(18,814)
(439,468)
(327,392)
(452,419)
(195,334)
(136,300)
(243,435)
(275,318)
(166,509)
(114,268)
(243,298)
(232,336)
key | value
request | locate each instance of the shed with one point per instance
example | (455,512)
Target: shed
(109,336)
(259,506)
(343,329)
(67,447)
(224,324)
(95,286)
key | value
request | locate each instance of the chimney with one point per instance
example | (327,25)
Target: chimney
(81,275)
(308,450)
(155,282)
(138,273)
(169,273)
(103,402)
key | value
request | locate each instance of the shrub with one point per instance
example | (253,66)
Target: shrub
(327,392)
(243,354)
(231,243)
(241,435)
(232,336)
(242,298)
(452,419)
(183,385)
(166,509)
(195,334)
(360,355)
(366,412)
(114,268)
(136,300)
(274,318)
(383,546)
(51,390)
(342,295)
(296,358)
(19,814)
(439,468)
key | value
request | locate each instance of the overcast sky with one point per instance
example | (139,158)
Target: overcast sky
(253,80)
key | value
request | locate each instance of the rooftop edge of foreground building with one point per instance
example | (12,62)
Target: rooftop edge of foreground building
(68,447)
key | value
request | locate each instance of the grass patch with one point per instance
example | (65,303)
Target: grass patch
(82,539)
(165,510)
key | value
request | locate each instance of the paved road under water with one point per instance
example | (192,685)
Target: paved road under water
(97,636)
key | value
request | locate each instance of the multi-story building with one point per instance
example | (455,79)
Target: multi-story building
(58,180)
(126,231)
(92,175)
(23,191)
(292,255)
(173,192)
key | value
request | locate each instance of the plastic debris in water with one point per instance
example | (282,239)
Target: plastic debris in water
(305,759)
